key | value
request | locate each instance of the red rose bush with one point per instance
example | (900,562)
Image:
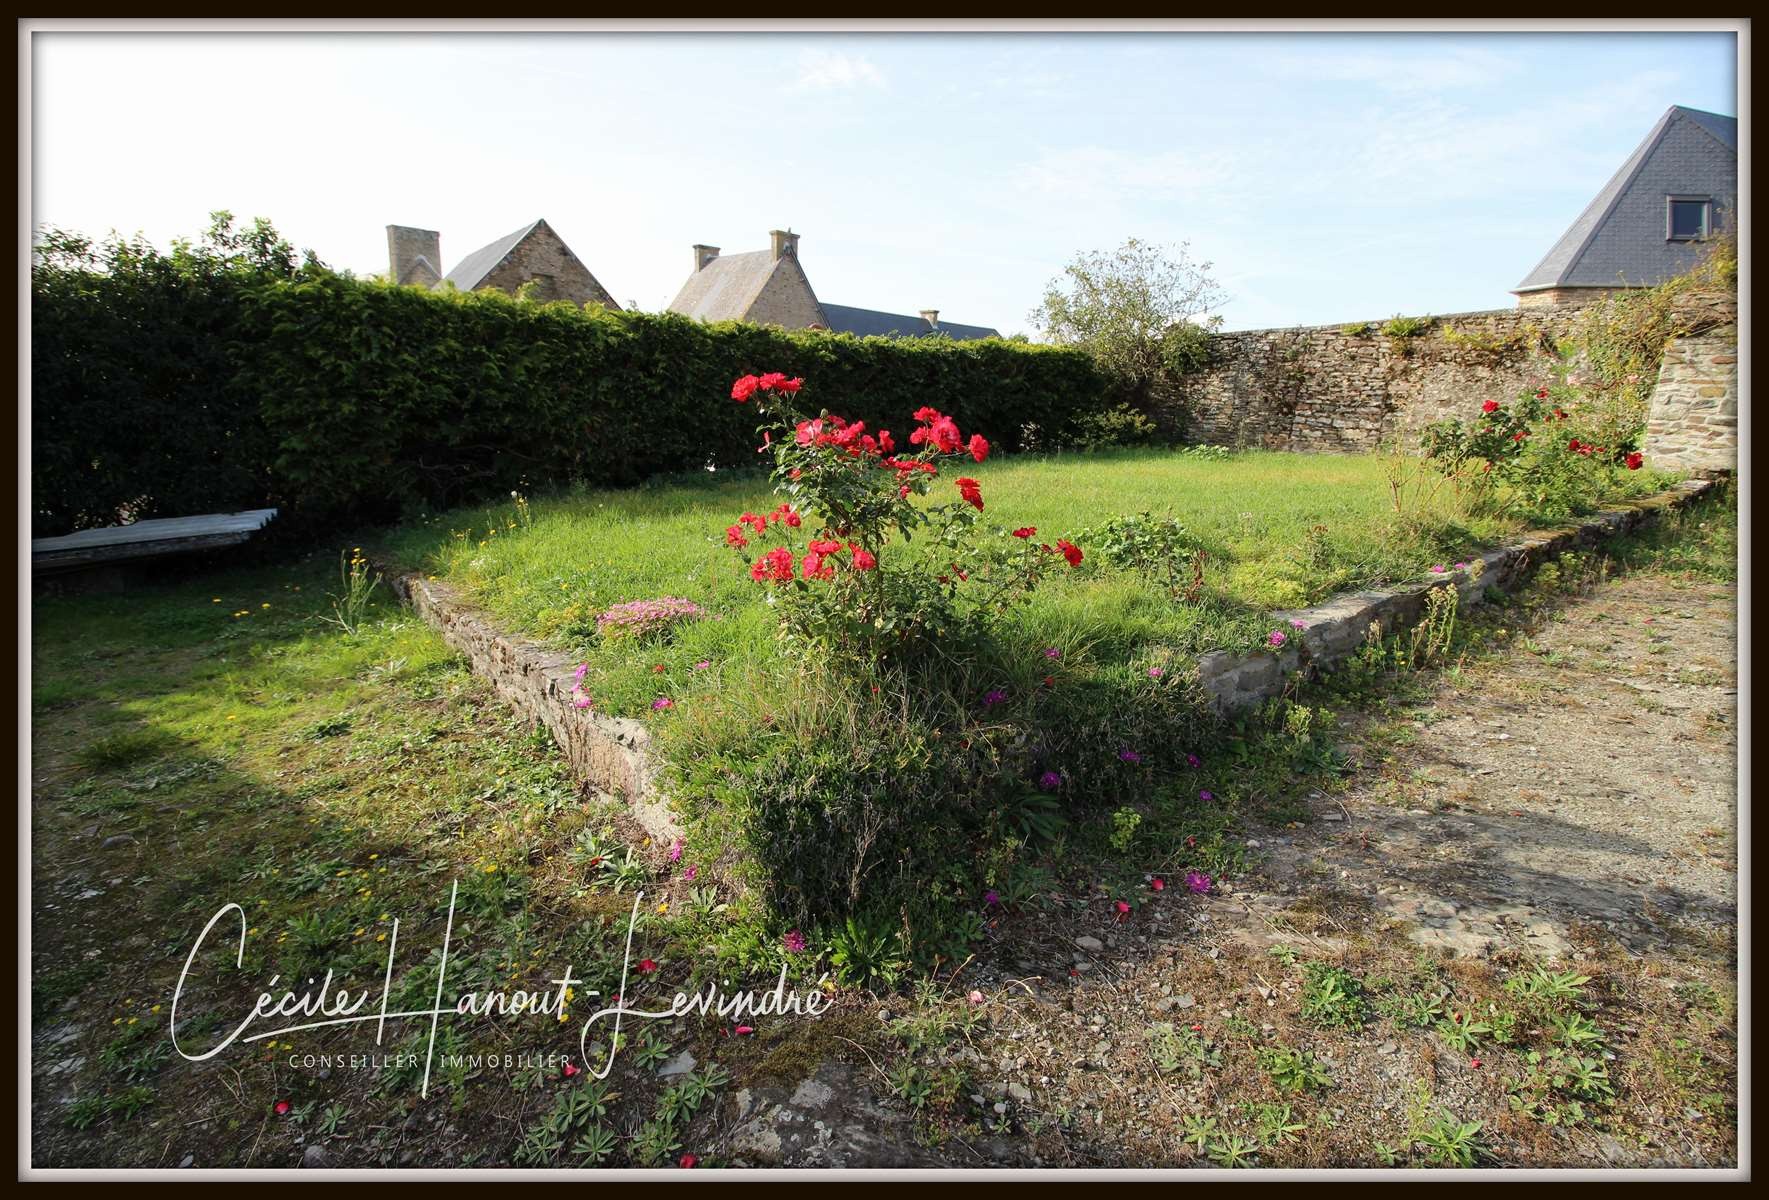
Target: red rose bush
(835,554)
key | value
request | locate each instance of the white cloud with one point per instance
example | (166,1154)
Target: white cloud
(822,69)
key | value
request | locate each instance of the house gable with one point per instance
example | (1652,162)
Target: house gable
(1621,237)
(532,254)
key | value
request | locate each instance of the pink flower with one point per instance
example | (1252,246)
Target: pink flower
(662,702)
(688,1160)
(1052,652)
(1277,637)
(570,1069)
(1206,796)
(1197,882)
(676,850)
(744,1030)
(1298,625)
(1193,761)
(991,898)
(975,997)
(1156,672)
(1123,907)
(1439,569)
(1158,884)
(689,875)
(282,1108)
(794,941)
(703,664)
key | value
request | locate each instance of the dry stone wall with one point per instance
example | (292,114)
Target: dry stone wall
(1350,387)
(1693,422)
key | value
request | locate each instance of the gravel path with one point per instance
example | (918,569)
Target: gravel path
(1588,777)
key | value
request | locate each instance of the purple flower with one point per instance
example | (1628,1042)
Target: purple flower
(994,697)
(1206,796)
(703,664)
(1461,566)
(1156,672)
(1439,569)
(579,700)
(1050,781)
(1298,624)
(794,941)
(1129,755)
(991,899)
(1198,882)
(1193,761)
(1277,637)
(662,702)
(1052,652)
(676,850)
(689,874)
(582,669)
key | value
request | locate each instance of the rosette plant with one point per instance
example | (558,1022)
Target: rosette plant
(836,552)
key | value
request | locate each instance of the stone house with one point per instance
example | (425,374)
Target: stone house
(770,287)
(1678,188)
(532,254)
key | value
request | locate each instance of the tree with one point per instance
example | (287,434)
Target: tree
(1142,311)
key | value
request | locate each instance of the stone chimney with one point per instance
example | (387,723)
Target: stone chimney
(703,255)
(405,246)
(785,243)
(932,317)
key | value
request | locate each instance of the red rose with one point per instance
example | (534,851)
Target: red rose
(771,380)
(971,490)
(1491,406)
(1635,461)
(1071,551)
(1573,445)
(744,388)
(688,1160)
(789,385)
(979,447)
(1026,532)
(864,560)
(646,966)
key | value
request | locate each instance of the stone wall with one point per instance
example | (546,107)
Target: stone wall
(608,753)
(1350,387)
(1693,422)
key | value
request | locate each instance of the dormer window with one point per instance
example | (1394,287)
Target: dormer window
(1688,218)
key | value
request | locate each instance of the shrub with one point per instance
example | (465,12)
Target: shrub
(849,596)
(225,376)
(1121,425)
(1400,328)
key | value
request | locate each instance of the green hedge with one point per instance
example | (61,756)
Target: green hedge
(345,400)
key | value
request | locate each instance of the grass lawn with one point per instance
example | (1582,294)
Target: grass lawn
(184,756)
(1281,531)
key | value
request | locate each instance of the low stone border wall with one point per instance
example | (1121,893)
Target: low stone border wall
(610,753)
(614,754)
(1336,629)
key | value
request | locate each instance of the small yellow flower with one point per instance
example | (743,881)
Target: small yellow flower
(216,600)
(266,604)
(154,1009)
(664,907)
(380,937)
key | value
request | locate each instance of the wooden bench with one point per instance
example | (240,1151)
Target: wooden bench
(145,539)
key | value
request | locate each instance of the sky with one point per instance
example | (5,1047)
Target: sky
(1325,177)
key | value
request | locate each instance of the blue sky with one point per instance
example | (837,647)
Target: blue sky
(1327,177)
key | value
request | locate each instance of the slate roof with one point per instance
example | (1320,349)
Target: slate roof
(1620,235)
(471,271)
(869,322)
(724,288)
